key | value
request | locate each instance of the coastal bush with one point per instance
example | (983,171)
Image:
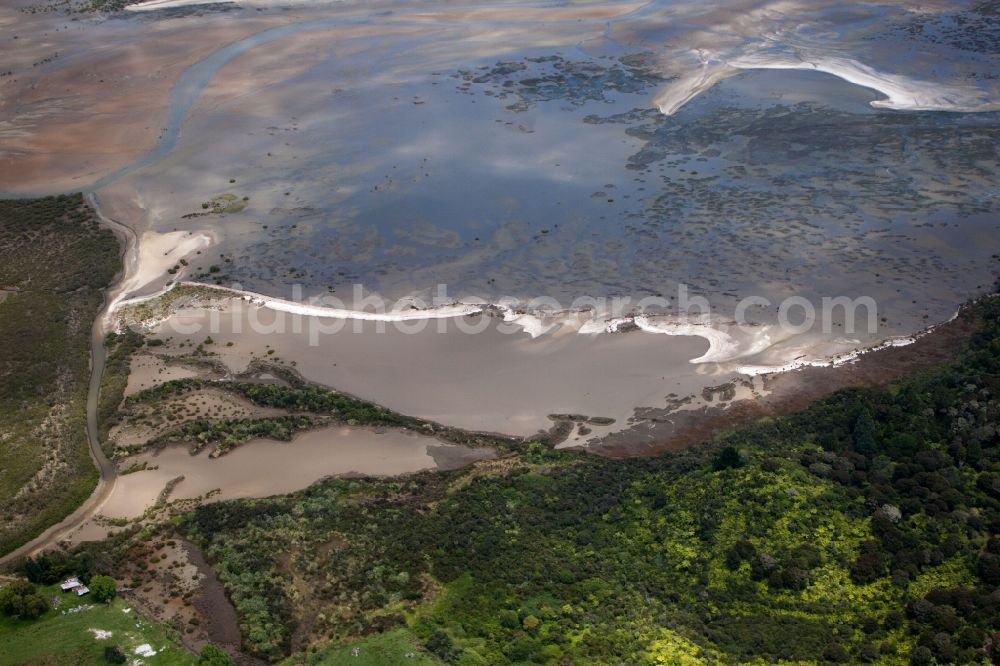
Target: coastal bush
(54,261)
(103,588)
(230,433)
(213,656)
(20,599)
(315,399)
(727,458)
(47,567)
(120,347)
(114,655)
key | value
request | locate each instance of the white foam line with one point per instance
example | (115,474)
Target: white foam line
(529,323)
(598,326)
(903,93)
(840,359)
(322,311)
(438,312)
(686,88)
(722,347)
(153,5)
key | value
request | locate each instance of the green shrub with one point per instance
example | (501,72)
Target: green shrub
(19,599)
(114,655)
(103,588)
(213,656)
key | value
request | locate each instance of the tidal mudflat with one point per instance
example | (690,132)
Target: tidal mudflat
(498,379)
(401,153)
(534,154)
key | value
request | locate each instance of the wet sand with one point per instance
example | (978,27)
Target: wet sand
(487,381)
(87,97)
(751,213)
(261,468)
(291,156)
(146,370)
(325,207)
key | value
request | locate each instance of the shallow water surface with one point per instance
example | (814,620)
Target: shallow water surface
(403,159)
(261,468)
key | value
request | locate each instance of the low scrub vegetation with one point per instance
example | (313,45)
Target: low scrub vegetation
(227,434)
(54,261)
(298,400)
(121,347)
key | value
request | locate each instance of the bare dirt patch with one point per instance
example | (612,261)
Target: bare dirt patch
(173,583)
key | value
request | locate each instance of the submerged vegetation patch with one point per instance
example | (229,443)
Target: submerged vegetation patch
(221,204)
(522,83)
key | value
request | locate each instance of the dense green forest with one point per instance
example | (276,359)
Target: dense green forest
(54,261)
(860,530)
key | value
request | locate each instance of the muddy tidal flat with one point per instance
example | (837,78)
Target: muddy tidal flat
(263,468)
(497,216)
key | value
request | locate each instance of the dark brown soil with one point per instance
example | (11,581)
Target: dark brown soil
(219,619)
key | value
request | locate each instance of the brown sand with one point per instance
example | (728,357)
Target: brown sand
(147,370)
(93,110)
(488,381)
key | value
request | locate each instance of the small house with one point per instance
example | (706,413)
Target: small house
(81,590)
(70,584)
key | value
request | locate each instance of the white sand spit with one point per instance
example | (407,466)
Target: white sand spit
(902,93)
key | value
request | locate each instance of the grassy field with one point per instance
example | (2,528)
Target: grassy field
(386,649)
(63,637)
(54,262)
